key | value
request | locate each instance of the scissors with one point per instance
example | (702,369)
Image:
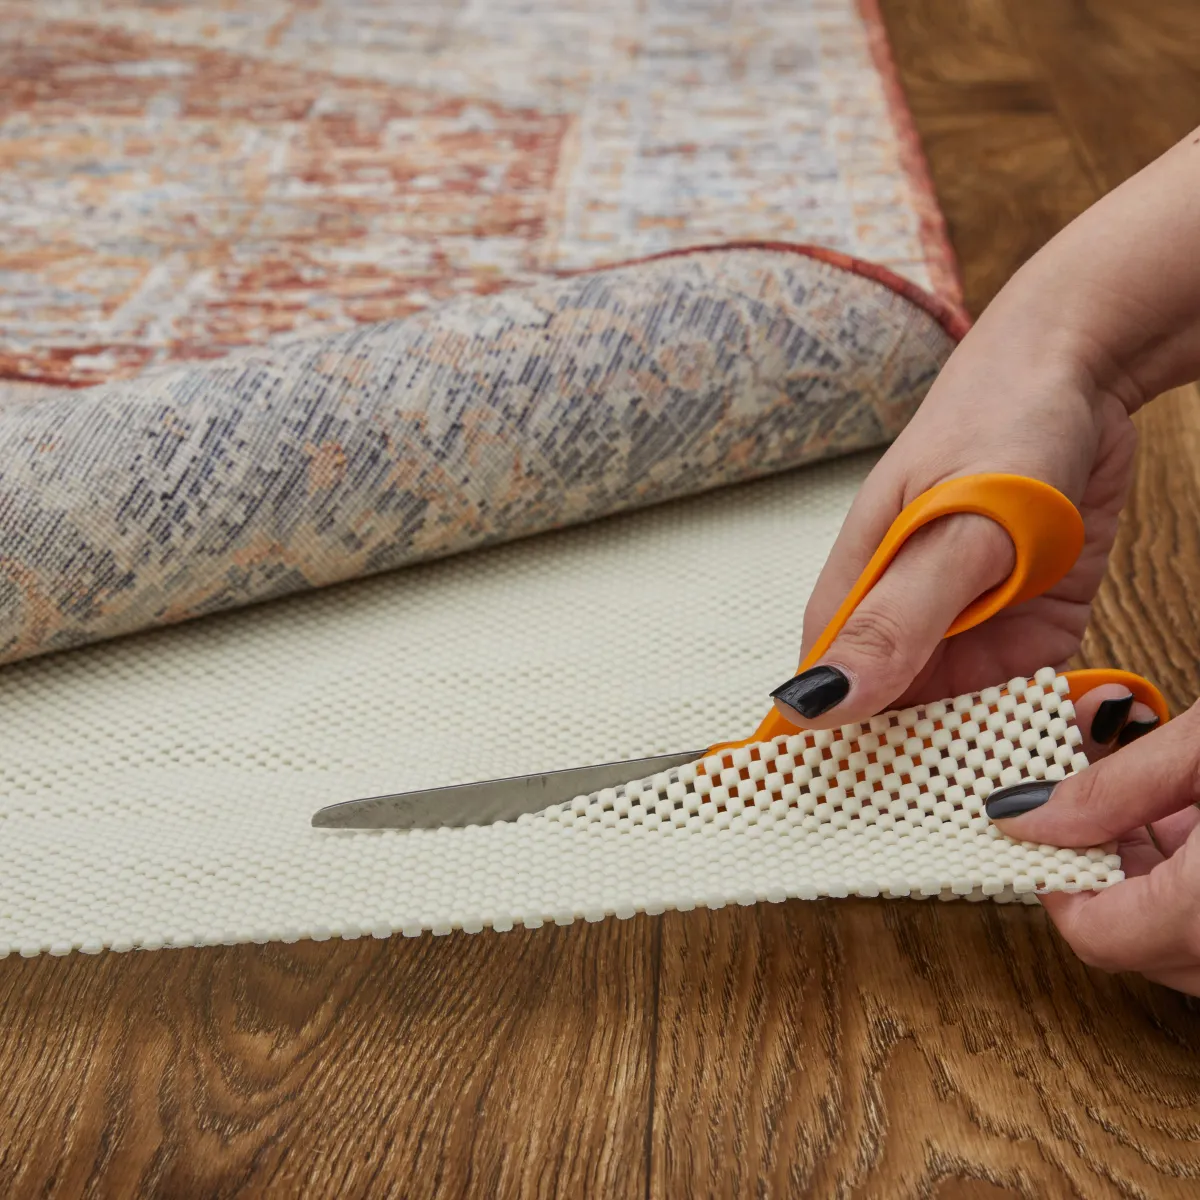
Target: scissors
(1047,536)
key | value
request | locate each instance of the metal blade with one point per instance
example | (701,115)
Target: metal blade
(492,799)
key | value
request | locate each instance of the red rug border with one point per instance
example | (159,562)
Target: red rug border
(935,238)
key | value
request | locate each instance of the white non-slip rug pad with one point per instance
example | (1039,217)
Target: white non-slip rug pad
(158,790)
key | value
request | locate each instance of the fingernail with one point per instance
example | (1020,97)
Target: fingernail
(1018,799)
(814,691)
(1109,718)
(1135,729)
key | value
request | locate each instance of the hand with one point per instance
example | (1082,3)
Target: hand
(983,414)
(1144,797)
(1102,319)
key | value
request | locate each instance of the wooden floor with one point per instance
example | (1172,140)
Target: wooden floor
(848,1048)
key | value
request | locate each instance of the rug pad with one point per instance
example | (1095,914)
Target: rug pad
(157,790)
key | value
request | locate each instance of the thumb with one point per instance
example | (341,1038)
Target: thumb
(1151,778)
(892,634)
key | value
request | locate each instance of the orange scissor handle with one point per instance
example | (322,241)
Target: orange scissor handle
(1047,535)
(1143,690)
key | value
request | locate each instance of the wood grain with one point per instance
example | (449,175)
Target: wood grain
(915,1049)
(488,1065)
(848,1048)
(1005,166)
(1145,615)
(1133,93)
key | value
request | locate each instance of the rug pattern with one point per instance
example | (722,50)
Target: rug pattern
(181,179)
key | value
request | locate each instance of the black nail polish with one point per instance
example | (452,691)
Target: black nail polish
(1109,718)
(1136,729)
(1018,799)
(814,691)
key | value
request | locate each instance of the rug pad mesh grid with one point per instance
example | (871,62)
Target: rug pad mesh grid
(158,790)
(892,807)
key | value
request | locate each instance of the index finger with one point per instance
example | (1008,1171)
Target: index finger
(878,503)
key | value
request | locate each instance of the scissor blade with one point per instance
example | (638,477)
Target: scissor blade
(492,799)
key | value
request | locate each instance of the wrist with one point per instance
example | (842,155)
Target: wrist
(1119,288)
(1021,394)
(1057,325)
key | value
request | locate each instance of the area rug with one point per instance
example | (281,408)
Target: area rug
(294,292)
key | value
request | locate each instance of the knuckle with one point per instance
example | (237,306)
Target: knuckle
(1192,719)
(878,635)
(1092,943)
(1092,948)
(1087,792)
(977,543)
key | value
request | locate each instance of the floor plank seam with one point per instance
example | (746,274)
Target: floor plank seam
(656,970)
